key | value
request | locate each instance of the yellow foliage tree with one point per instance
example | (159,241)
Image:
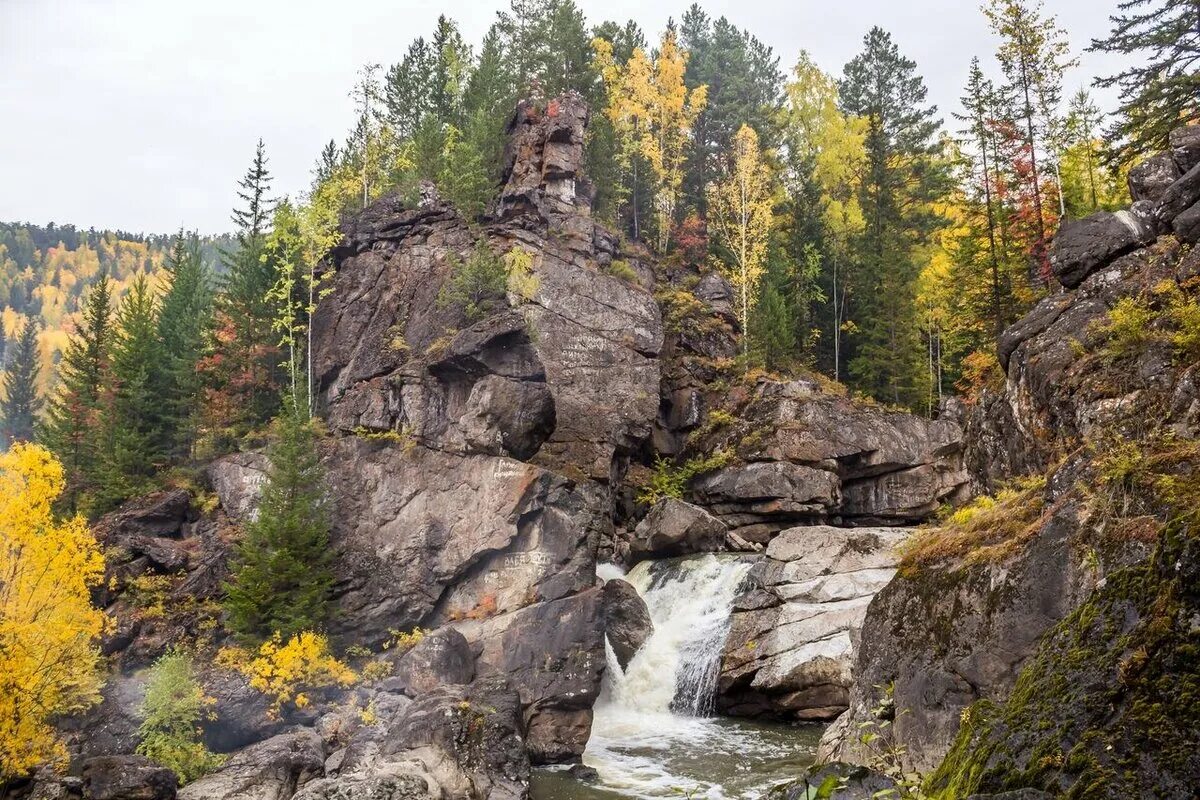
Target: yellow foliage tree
(48,625)
(740,217)
(652,111)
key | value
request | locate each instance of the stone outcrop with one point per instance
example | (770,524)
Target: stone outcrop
(794,627)
(1018,638)
(127,777)
(806,455)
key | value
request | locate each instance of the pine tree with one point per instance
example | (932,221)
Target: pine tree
(896,190)
(184,319)
(73,420)
(132,409)
(1164,92)
(20,404)
(281,576)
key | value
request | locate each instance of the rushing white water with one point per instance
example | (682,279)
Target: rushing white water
(651,733)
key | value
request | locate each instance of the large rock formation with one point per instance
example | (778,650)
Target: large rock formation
(992,624)
(790,644)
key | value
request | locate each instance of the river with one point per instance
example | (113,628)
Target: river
(654,733)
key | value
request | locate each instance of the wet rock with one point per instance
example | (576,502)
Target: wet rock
(627,623)
(238,480)
(127,777)
(270,770)
(673,528)
(792,636)
(584,773)
(1150,178)
(441,658)
(111,727)
(1083,246)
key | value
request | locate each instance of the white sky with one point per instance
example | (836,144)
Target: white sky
(143,114)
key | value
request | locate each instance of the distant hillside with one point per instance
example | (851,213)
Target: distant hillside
(45,271)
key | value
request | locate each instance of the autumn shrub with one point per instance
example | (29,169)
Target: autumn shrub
(172,710)
(49,663)
(287,671)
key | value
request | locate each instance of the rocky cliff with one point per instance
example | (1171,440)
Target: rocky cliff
(481,459)
(1043,634)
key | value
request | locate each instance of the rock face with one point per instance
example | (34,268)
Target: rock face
(473,458)
(127,778)
(808,456)
(791,641)
(1000,636)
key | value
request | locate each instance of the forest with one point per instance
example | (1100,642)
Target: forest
(869,238)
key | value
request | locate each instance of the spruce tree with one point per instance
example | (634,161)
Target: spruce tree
(73,420)
(133,412)
(281,577)
(242,374)
(895,195)
(1163,92)
(184,319)
(20,404)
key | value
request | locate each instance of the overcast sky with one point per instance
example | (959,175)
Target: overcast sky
(142,114)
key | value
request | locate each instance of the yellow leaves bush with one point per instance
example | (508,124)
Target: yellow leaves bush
(286,672)
(48,662)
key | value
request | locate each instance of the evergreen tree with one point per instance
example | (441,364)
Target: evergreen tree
(744,87)
(184,320)
(900,181)
(73,420)
(281,576)
(242,374)
(1164,92)
(20,404)
(407,87)
(133,412)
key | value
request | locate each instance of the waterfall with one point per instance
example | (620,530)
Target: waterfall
(676,670)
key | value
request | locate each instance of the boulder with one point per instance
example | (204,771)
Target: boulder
(674,528)
(453,743)
(238,480)
(791,641)
(1179,196)
(127,777)
(1083,246)
(441,658)
(627,623)
(1187,224)
(1184,143)
(1151,177)
(273,769)
(769,487)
